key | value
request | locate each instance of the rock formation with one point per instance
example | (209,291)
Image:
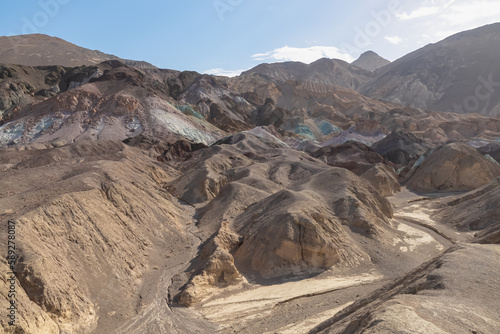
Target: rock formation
(453,167)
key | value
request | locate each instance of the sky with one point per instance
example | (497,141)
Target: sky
(226,37)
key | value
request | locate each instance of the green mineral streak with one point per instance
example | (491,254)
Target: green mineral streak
(327,128)
(304,131)
(188,110)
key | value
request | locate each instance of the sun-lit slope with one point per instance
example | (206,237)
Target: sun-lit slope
(93,221)
(269,212)
(452,167)
(117,103)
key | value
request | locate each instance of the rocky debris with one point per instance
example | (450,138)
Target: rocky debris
(401,147)
(217,268)
(165,151)
(452,167)
(370,61)
(383,178)
(352,155)
(476,211)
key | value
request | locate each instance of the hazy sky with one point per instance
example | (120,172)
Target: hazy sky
(216,36)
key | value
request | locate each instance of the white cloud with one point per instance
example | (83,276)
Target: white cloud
(471,12)
(396,40)
(429,21)
(305,55)
(223,72)
(418,13)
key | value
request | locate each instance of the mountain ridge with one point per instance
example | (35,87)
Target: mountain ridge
(40,50)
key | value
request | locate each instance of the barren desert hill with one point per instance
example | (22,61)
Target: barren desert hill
(44,50)
(459,74)
(280,201)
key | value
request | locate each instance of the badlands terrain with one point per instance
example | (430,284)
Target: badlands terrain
(295,198)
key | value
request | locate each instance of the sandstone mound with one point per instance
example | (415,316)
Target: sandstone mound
(453,167)
(298,230)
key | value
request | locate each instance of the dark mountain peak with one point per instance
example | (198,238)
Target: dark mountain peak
(370,61)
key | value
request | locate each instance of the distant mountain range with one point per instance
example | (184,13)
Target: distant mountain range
(326,100)
(460,74)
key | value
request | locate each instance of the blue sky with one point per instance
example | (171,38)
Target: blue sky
(227,36)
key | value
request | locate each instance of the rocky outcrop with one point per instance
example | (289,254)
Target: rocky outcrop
(401,147)
(352,155)
(383,178)
(278,213)
(299,231)
(453,167)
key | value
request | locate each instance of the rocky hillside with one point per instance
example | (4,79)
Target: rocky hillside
(280,201)
(459,74)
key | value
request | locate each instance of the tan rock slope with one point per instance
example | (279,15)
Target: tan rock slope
(272,212)
(453,167)
(95,229)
